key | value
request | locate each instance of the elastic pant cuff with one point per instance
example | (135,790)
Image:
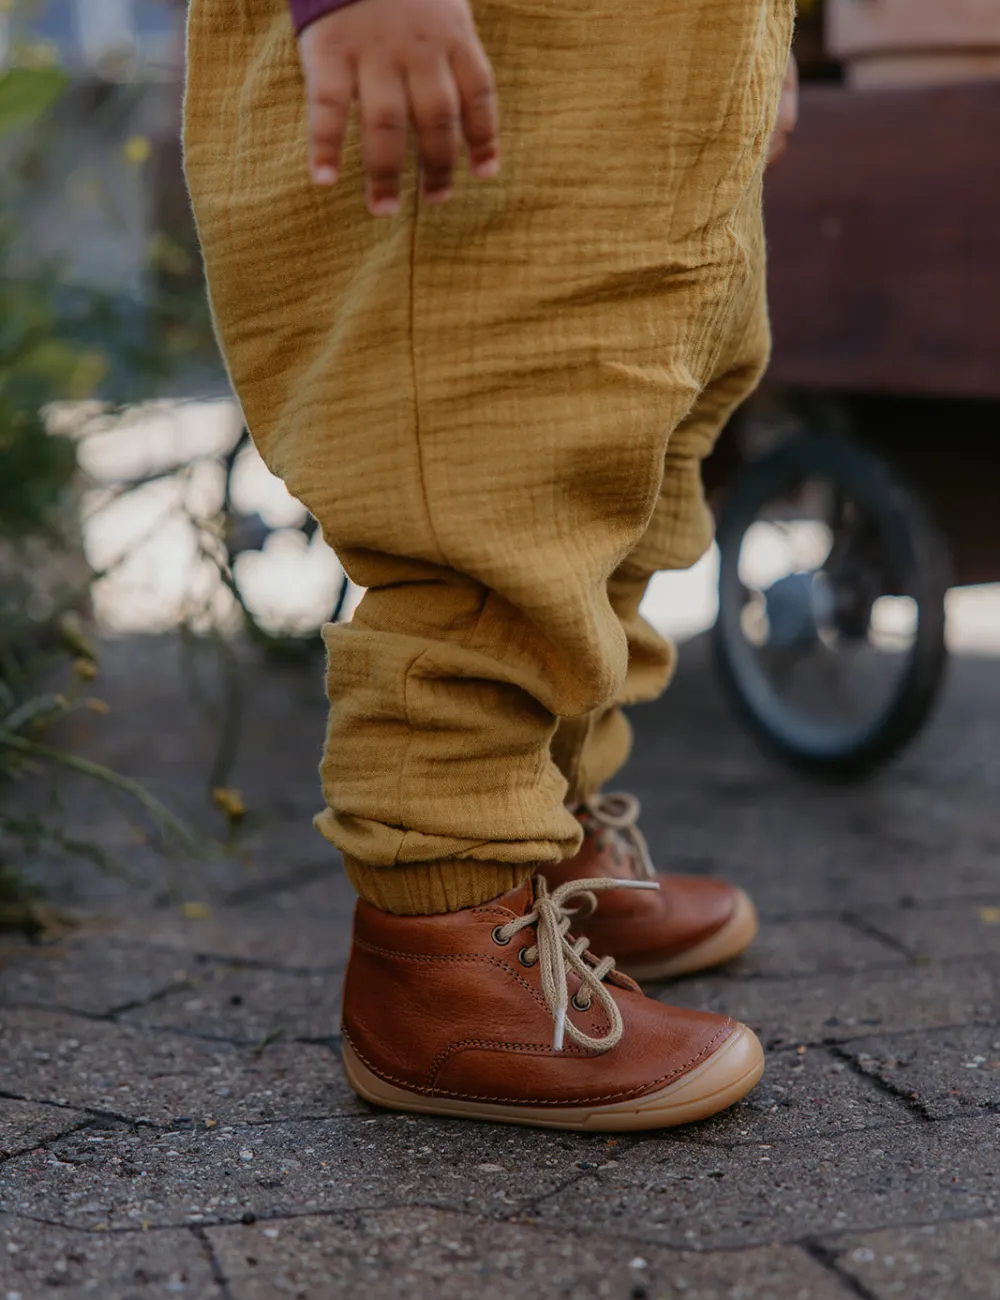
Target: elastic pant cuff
(426,888)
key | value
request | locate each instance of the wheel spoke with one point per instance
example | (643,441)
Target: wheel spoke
(818,633)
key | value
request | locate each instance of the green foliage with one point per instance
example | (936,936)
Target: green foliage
(36,472)
(27,93)
(34,361)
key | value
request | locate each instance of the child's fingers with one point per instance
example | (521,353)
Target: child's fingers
(435,110)
(330,92)
(382,103)
(474,79)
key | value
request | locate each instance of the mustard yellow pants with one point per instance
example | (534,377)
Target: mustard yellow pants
(496,409)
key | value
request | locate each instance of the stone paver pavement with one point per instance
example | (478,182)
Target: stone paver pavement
(174,1119)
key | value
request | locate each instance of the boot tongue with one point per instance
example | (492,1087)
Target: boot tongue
(519,900)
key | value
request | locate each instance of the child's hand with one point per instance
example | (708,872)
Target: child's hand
(788,112)
(404,61)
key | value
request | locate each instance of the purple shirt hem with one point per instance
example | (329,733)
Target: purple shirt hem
(305,12)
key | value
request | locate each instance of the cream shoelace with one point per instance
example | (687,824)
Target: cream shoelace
(552,918)
(620,813)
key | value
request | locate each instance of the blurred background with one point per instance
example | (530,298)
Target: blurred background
(147,557)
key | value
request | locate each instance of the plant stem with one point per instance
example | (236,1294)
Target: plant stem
(158,811)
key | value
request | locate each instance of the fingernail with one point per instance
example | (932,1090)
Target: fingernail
(324,175)
(487,170)
(437,196)
(387,207)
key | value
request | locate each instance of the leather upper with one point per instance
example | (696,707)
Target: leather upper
(435,1004)
(636,926)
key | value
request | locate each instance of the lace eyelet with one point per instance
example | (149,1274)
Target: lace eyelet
(522,959)
(580,1006)
(498,937)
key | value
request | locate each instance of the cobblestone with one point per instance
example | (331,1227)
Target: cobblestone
(39,1261)
(940,1261)
(174,1118)
(400,1254)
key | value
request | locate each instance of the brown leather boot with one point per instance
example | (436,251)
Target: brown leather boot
(689,924)
(496,1013)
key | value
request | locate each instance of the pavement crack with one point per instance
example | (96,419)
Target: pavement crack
(81,1108)
(827,1259)
(6,1156)
(213,1261)
(532,1203)
(206,957)
(43,1222)
(734,976)
(137,1004)
(178,1030)
(781,1045)
(7,1095)
(241,1044)
(871,931)
(885,1086)
(267,1216)
(746,1143)
(59,1009)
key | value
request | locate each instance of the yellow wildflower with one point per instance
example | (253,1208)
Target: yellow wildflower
(230,802)
(137,150)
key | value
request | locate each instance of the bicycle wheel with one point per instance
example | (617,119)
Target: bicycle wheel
(831,628)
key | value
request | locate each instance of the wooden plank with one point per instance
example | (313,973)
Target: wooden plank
(884,242)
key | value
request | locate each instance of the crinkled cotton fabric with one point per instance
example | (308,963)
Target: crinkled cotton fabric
(496,408)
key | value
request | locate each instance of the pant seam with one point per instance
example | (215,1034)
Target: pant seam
(412,348)
(406,751)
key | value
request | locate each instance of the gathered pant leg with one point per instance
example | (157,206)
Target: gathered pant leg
(485,405)
(590,750)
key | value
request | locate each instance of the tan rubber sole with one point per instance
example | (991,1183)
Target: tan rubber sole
(735,937)
(726,1076)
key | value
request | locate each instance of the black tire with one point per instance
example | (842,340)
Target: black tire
(920,567)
